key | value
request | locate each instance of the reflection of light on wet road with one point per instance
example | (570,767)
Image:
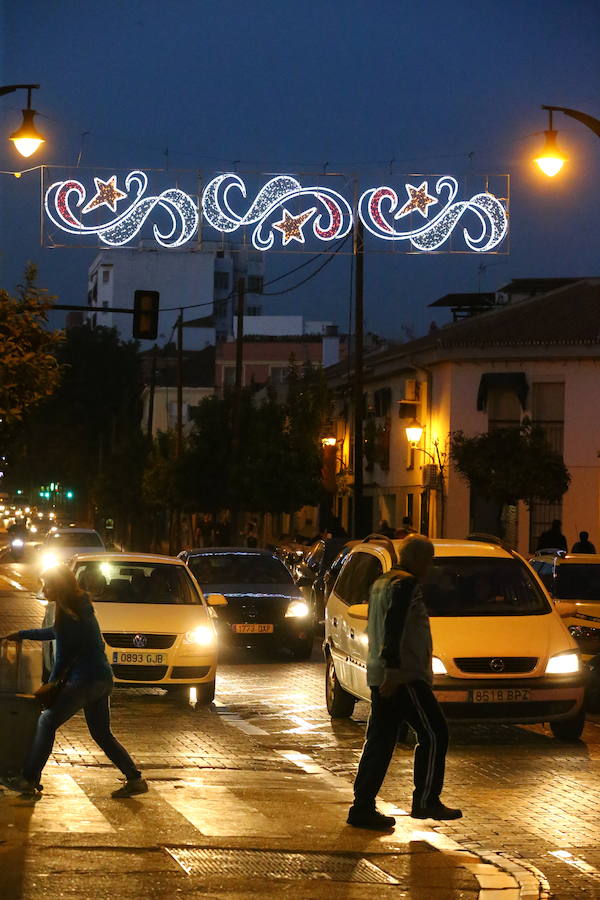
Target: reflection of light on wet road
(575,861)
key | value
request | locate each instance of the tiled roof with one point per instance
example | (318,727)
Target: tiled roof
(567,316)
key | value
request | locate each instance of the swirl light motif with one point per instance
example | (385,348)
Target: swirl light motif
(333,221)
(62,196)
(378,205)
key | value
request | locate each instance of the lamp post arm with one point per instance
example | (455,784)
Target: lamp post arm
(589,121)
(9,88)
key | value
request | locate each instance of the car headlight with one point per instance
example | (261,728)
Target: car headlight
(203,636)
(563,664)
(48,561)
(33,529)
(297,609)
(17,543)
(438,666)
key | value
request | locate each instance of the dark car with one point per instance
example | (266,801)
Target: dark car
(264,606)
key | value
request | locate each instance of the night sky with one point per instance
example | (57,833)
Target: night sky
(439,88)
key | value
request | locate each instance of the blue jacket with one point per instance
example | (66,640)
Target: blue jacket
(78,641)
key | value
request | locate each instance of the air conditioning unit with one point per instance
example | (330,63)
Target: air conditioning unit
(431,476)
(411,391)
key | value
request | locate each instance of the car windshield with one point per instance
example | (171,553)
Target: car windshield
(578,581)
(74,539)
(118,581)
(482,586)
(239,568)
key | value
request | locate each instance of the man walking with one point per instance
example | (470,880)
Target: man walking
(400,676)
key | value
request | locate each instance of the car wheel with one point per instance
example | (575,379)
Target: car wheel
(569,729)
(340,704)
(205,693)
(302,649)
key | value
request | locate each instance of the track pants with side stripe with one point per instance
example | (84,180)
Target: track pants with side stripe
(416,704)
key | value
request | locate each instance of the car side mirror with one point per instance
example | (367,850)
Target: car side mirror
(216,600)
(304,581)
(565,608)
(358,611)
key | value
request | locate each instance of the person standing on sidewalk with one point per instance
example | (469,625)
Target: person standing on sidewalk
(400,676)
(80,652)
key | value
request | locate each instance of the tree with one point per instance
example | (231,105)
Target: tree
(29,369)
(83,433)
(511,464)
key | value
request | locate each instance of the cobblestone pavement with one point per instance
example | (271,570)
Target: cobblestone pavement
(531,803)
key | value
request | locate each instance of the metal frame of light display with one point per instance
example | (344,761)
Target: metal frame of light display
(420,214)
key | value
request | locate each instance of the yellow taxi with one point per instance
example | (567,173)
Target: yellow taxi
(573,581)
(501,650)
(157,626)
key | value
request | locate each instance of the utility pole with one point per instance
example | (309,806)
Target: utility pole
(151,396)
(179,432)
(359,258)
(237,395)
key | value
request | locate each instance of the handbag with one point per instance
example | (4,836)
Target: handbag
(48,693)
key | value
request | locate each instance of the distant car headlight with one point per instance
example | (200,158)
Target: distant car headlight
(33,529)
(297,609)
(203,636)
(48,561)
(17,543)
(438,666)
(563,664)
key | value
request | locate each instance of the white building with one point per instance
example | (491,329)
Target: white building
(204,278)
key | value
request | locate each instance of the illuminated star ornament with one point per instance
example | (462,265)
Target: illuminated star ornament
(419,199)
(291,226)
(107,193)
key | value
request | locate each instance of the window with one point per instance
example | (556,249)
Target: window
(229,376)
(383,401)
(279,374)
(221,309)
(356,578)
(238,569)
(255,284)
(221,281)
(105,276)
(254,310)
(578,581)
(480,586)
(114,581)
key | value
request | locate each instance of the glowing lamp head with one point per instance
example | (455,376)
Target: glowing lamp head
(414,433)
(328,442)
(551,159)
(27,138)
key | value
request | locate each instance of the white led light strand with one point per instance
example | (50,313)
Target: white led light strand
(487,209)
(282,210)
(332,222)
(181,210)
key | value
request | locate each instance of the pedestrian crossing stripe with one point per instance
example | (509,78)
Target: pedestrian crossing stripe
(65,807)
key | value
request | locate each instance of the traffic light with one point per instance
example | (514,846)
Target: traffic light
(145,315)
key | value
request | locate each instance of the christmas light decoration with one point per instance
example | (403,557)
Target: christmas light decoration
(179,206)
(282,213)
(335,221)
(106,193)
(291,226)
(377,205)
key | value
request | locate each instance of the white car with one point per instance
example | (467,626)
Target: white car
(157,626)
(61,544)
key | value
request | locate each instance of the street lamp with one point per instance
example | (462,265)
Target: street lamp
(27,138)
(414,433)
(552,159)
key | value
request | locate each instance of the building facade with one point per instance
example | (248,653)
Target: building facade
(537,358)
